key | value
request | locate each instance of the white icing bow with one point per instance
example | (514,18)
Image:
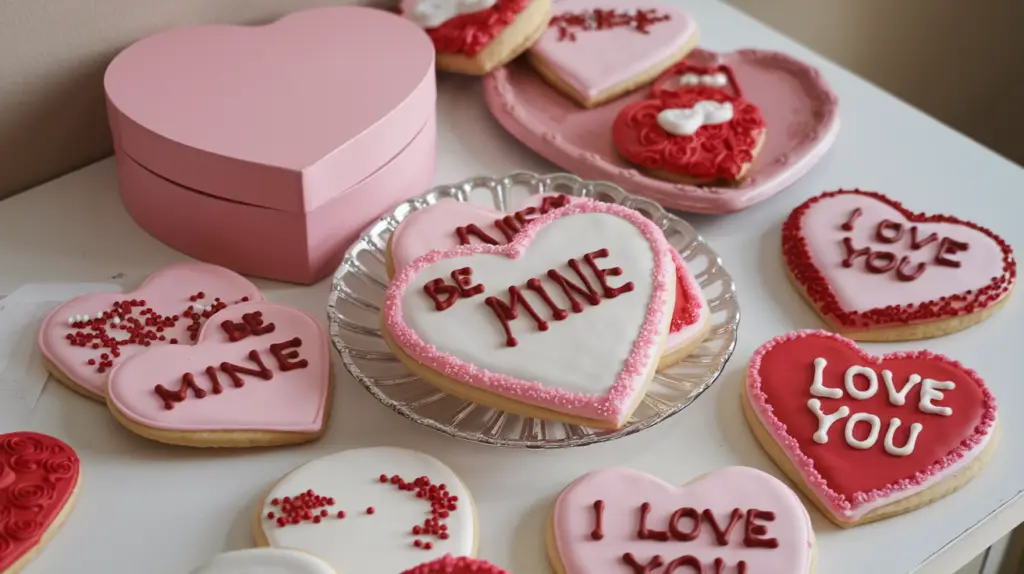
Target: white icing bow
(686,121)
(433,13)
(716,80)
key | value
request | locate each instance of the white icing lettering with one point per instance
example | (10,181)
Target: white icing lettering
(818,389)
(868,374)
(825,421)
(931,391)
(899,398)
(686,121)
(872,435)
(716,80)
(908,447)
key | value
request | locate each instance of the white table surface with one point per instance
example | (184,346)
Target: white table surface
(154,509)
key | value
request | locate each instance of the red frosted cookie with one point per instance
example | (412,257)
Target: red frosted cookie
(876,271)
(867,436)
(39,477)
(461,565)
(699,135)
(476,36)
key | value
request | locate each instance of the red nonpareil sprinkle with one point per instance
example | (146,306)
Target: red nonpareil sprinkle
(270,515)
(383,478)
(370,510)
(305,507)
(341,514)
(570,23)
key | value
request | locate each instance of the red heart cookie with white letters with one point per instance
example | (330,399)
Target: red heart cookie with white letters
(691,75)
(876,271)
(84,338)
(449,224)
(38,488)
(259,375)
(696,135)
(564,322)
(736,519)
(861,431)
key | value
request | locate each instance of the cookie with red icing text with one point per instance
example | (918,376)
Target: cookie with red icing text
(865,436)
(39,484)
(476,36)
(450,224)
(735,519)
(876,271)
(566,322)
(452,565)
(696,136)
(598,50)
(258,375)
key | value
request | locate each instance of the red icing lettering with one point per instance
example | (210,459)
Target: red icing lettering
(508,227)
(251,324)
(232,370)
(880,261)
(557,313)
(889,231)
(571,23)
(901,270)
(854,215)
(643,533)
(639,568)
(883,261)
(568,287)
(235,331)
(682,561)
(598,532)
(741,566)
(522,213)
(722,535)
(554,202)
(947,248)
(286,355)
(170,397)
(851,253)
(443,294)
(673,524)
(916,244)
(506,312)
(602,274)
(473,230)
(754,533)
(464,280)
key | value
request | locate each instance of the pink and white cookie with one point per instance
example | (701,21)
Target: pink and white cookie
(566,322)
(736,519)
(265,561)
(84,338)
(477,36)
(259,375)
(39,485)
(697,136)
(876,271)
(865,436)
(452,565)
(449,224)
(598,50)
(378,509)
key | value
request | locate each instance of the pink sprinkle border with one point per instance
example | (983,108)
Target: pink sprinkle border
(448,564)
(611,406)
(836,502)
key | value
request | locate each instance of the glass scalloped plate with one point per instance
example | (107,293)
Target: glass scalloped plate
(357,292)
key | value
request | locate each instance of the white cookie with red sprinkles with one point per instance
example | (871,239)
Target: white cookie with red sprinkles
(380,509)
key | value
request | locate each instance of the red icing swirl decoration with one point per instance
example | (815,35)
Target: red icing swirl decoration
(468,34)
(38,475)
(714,152)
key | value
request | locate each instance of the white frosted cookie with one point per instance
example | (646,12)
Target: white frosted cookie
(265,561)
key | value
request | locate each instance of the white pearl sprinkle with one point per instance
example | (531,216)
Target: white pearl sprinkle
(85,317)
(71,320)
(197,308)
(116,321)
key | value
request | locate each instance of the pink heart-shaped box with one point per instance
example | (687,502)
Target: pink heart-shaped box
(611,519)
(292,400)
(323,114)
(800,110)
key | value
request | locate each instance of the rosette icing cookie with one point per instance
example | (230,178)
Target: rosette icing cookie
(461,565)
(450,224)
(259,375)
(865,436)
(697,136)
(39,478)
(597,50)
(265,561)
(377,509)
(876,271)
(84,338)
(477,36)
(518,328)
(735,519)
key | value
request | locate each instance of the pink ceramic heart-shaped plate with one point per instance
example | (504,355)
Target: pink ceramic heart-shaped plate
(84,338)
(257,366)
(735,519)
(800,110)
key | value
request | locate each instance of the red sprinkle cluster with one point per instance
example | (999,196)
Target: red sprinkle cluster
(306,507)
(449,564)
(142,325)
(798,259)
(599,19)
(442,504)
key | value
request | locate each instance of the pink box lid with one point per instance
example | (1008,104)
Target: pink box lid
(286,115)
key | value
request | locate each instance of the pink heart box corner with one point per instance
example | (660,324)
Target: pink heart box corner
(268,149)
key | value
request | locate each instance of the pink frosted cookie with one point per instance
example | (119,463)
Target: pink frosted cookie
(876,271)
(83,339)
(449,224)
(866,436)
(259,375)
(477,36)
(735,519)
(597,50)
(566,322)
(460,565)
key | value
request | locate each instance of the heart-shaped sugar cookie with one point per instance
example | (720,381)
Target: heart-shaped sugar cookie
(259,375)
(516,327)
(861,432)
(449,224)
(84,338)
(376,509)
(39,477)
(265,561)
(735,519)
(877,271)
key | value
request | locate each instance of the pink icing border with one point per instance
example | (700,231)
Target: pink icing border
(611,406)
(836,502)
